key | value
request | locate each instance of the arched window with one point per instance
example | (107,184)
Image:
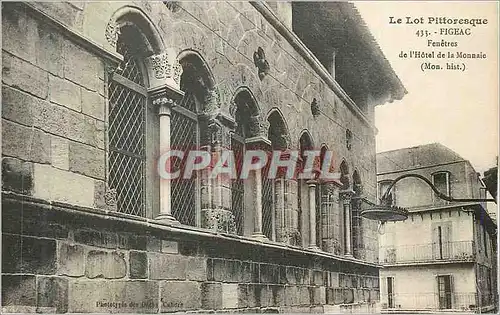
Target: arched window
(442,182)
(127,119)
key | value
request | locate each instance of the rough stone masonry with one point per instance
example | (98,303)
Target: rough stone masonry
(66,248)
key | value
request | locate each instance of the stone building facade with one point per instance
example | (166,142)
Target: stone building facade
(93,92)
(447,250)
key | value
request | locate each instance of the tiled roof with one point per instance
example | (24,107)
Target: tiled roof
(413,157)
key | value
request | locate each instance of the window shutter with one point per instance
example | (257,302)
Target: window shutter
(447,240)
(435,243)
(438,294)
(448,182)
(452,290)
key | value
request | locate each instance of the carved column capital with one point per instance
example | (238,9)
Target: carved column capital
(233,107)
(346,196)
(258,127)
(164,105)
(164,69)
(110,68)
(211,103)
(112,32)
(217,132)
(164,101)
(215,129)
(164,97)
(286,140)
(165,66)
(312,183)
(330,187)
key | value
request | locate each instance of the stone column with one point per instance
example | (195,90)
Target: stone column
(279,191)
(255,184)
(216,212)
(292,212)
(312,184)
(164,72)
(165,105)
(257,188)
(346,196)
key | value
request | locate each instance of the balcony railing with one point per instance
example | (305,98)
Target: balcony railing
(431,301)
(434,252)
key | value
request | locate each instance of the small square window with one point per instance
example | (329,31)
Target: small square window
(441,181)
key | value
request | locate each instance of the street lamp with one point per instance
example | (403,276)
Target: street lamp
(386,212)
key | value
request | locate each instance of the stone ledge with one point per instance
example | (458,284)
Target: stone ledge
(115,220)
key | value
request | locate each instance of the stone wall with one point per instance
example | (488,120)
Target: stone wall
(415,193)
(55,94)
(54,148)
(61,258)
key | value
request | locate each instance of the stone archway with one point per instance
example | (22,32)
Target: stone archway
(131,15)
(278,132)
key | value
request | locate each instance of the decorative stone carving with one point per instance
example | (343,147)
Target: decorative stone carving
(329,188)
(233,107)
(259,59)
(289,236)
(211,102)
(346,196)
(332,246)
(215,132)
(177,72)
(358,188)
(344,180)
(162,101)
(112,32)
(219,220)
(218,134)
(315,107)
(111,199)
(286,140)
(164,69)
(160,67)
(258,127)
(348,139)
(226,138)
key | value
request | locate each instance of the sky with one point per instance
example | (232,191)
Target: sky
(457,109)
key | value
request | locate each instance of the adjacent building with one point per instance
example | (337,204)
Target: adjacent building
(94,92)
(443,257)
